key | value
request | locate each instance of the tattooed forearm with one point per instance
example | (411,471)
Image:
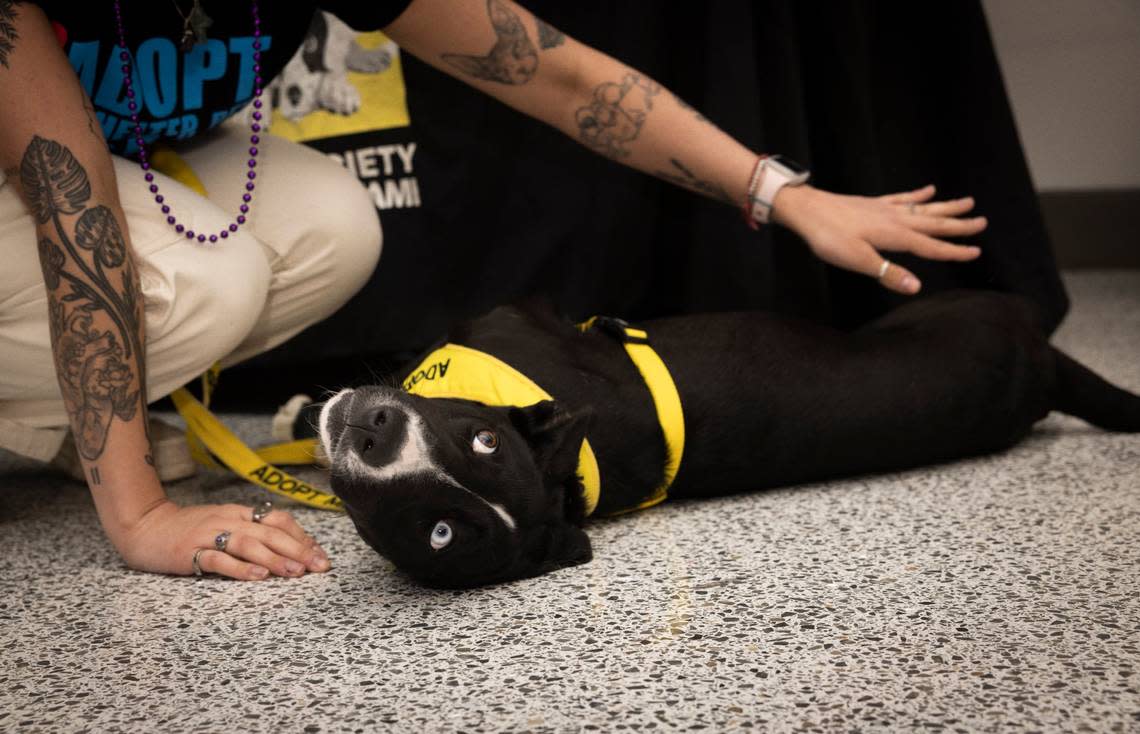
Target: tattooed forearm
(548,35)
(687,179)
(95,307)
(616,113)
(8,35)
(512,60)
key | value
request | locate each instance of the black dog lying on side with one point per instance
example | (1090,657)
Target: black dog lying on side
(458,493)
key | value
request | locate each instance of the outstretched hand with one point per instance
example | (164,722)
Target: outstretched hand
(850,232)
(166,538)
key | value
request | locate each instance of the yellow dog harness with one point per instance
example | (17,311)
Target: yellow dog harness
(457,371)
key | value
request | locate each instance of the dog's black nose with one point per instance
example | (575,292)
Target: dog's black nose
(377,434)
(293,92)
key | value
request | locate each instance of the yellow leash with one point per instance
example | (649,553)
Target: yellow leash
(211,443)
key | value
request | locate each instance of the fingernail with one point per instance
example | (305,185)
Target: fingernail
(319,562)
(258,572)
(294,568)
(910,284)
(319,552)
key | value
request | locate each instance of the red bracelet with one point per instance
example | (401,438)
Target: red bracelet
(746,209)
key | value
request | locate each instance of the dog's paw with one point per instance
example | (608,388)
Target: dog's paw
(370,60)
(338,95)
(285,426)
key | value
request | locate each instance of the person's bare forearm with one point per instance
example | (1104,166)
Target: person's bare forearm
(96,318)
(627,116)
(63,170)
(607,106)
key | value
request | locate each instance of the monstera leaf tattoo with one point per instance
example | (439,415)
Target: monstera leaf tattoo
(54,182)
(98,230)
(512,60)
(95,325)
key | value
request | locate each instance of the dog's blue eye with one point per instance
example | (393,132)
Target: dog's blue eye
(485,442)
(440,535)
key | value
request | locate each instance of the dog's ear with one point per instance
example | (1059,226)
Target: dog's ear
(555,436)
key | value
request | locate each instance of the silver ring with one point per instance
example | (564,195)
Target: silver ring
(194,562)
(222,540)
(883,268)
(260,511)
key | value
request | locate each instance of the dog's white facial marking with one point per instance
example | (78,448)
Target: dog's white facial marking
(502,512)
(414,459)
(323,420)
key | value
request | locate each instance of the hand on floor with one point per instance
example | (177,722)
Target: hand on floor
(166,538)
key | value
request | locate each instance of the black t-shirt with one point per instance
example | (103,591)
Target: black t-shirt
(184,93)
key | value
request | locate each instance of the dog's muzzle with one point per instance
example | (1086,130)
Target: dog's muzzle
(375,434)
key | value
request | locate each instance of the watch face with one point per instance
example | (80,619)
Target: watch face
(795,168)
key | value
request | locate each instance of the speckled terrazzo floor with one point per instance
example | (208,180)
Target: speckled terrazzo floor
(1000,593)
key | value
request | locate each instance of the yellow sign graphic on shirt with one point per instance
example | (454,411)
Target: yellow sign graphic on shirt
(340,82)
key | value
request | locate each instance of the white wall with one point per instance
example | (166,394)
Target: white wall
(1072,70)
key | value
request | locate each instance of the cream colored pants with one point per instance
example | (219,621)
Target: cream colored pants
(312,240)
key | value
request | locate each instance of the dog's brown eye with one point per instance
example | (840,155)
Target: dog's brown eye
(485,442)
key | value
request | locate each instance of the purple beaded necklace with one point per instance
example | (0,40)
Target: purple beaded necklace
(255,128)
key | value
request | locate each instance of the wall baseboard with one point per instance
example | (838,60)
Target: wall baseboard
(1094,228)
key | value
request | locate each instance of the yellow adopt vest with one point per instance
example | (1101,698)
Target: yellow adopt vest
(456,371)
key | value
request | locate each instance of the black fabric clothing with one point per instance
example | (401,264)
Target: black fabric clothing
(874,96)
(182,94)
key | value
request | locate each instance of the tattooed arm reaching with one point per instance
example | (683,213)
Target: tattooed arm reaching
(502,49)
(52,149)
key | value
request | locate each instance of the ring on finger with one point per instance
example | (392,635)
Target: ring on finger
(260,511)
(883,268)
(194,562)
(221,540)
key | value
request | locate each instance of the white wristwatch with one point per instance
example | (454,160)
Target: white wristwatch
(775,172)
